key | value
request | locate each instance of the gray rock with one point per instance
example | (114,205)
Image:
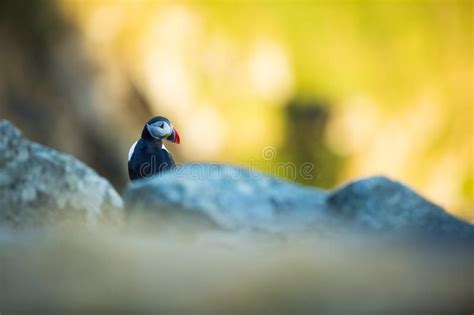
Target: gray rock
(379,204)
(39,185)
(230,197)
(225,197)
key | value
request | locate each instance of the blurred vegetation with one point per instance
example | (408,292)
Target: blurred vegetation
(395,78)
(306,127)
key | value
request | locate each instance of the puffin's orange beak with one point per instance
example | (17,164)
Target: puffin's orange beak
(176,138)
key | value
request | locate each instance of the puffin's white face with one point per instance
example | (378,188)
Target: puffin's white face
(160,129)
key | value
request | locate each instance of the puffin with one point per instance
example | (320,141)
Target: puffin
(148,156)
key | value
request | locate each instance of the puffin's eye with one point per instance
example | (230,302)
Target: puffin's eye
(161,125)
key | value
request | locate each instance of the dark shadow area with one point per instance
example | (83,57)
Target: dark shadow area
(305,145)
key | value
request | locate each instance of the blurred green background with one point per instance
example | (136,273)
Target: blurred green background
(356,88)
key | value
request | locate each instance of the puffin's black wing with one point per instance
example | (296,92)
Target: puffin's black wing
(168,161)
(132,173)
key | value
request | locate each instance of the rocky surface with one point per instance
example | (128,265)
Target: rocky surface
(230,197)
(226,197)
(39,185)
(166,271)
(383,205)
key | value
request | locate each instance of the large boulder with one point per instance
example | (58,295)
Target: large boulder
(382,205)
(230,197)
(39,185)
(225,197)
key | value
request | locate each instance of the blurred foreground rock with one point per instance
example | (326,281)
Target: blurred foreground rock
(233,198)
(226,197)
(39,185)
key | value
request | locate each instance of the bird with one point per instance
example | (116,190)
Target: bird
(148,156)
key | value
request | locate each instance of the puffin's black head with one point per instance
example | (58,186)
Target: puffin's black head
(159,128)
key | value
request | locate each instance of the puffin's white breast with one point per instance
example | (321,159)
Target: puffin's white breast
(132,149)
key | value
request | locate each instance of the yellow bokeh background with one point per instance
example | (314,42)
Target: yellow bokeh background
(388,85)
(397,75)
